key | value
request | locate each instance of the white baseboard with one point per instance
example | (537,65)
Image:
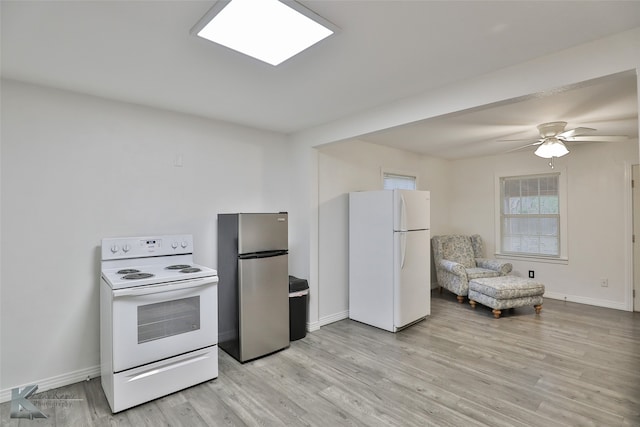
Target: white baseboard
(588,301)
(313,326)
(333,318)
(55,382)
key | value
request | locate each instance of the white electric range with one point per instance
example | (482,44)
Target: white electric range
(158,319)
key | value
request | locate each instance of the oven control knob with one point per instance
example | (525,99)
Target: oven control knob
(184,244)
(126,248)
(174,245)
(114,248)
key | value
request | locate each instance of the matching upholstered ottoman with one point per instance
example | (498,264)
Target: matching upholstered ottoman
(504,292)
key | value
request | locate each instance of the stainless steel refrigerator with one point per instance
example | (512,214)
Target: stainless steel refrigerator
(253,287)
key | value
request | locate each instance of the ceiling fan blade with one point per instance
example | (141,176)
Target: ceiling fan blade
(597,138)
(523,147)
(576,132)
(519,140)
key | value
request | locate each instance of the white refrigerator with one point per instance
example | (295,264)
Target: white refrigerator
(389,258)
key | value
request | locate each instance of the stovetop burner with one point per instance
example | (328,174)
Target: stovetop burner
(129,262)
(137,276)
(178,267)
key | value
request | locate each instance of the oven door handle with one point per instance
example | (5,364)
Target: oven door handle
(155,289)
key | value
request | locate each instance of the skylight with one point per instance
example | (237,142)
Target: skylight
(268,30)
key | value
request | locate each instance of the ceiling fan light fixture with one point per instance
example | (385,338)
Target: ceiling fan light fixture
(552,147)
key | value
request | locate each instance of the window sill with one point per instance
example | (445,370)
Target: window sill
(534,258)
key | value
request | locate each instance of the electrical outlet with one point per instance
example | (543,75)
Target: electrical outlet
(531,274)
(604,283)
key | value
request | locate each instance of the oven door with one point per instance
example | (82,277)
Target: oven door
(154,322)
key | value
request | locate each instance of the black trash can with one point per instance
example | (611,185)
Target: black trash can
(298,306)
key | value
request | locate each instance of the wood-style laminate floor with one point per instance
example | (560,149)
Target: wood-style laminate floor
(572,365)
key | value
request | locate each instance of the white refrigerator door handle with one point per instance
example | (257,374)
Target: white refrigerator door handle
(403,248)
(403,214)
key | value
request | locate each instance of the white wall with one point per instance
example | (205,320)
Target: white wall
(76,169)
(303,220)
(598,230)
(356,166)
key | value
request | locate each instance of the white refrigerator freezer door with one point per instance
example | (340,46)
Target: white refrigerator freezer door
(411,210)
(412,277)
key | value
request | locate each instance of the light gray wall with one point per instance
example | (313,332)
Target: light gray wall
(357,166)
(77,168)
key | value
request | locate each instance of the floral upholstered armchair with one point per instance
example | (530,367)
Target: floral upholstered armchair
(459,259)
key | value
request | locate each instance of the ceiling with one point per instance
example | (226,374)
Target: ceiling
(609,105)
(142,52)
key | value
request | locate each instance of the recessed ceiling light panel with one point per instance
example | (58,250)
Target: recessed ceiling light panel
(269,30)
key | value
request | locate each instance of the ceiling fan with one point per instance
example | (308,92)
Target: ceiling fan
(553,137)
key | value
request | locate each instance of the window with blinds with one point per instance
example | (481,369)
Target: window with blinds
(402,182)
(530,215)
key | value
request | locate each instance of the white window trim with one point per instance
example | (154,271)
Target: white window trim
(563,258)
(384,171)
